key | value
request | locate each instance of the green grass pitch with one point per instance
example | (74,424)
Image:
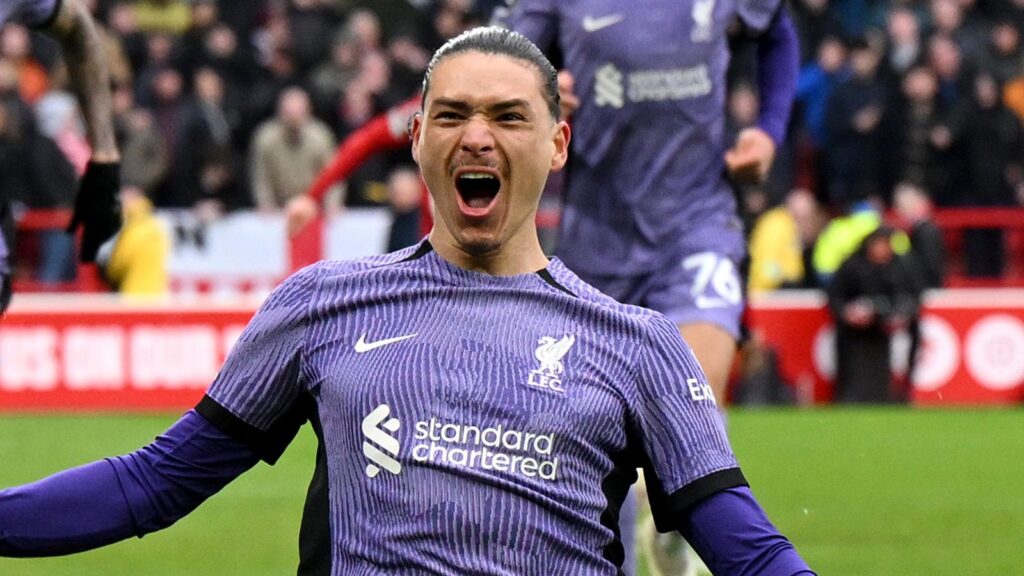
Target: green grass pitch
(859,491)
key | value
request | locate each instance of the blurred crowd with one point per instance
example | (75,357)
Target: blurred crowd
(921,95)
(219,104)
(232,104)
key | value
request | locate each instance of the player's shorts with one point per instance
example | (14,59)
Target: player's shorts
(701,283)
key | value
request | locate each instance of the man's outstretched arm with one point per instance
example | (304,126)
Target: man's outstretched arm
(110,500)
(734,537)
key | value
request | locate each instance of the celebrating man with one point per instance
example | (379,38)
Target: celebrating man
(480,409)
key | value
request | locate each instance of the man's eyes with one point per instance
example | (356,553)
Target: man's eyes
(447,115)
(503,117)
(511,117)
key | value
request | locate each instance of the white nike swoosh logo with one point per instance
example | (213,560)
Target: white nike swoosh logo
(594,24)
(363,346)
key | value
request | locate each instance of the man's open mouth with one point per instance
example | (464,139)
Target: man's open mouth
(477,189)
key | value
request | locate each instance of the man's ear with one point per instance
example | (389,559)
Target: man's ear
(415,125)
(561,138)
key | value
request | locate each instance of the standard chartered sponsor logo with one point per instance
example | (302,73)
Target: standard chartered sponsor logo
(674,84)
(608,89)
(379,446)
(650,85)
(495,448)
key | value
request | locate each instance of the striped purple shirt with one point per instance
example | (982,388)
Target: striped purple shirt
(471,423)
(648,138)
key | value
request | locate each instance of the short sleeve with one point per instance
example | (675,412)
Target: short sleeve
(256,395)
(537,20)
(682,431)
(757,15)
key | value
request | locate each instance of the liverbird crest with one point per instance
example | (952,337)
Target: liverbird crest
(551,351)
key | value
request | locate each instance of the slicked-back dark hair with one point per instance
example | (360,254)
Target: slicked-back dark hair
(495,40)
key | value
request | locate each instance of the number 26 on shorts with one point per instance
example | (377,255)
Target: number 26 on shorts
(716,284)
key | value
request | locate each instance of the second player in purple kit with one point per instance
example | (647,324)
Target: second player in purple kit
(649,213)
(480,409)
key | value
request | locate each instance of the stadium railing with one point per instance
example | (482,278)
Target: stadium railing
(305,249)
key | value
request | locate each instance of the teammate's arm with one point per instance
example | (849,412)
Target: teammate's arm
(386,131)
(96,207)
(778,65)
(82,49)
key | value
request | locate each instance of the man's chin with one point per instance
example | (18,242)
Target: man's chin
(481,250)
(479,245)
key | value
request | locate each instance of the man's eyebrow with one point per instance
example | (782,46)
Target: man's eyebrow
(451,103)
(465,107)
(509,104)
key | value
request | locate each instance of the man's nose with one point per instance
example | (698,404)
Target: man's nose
(477,137)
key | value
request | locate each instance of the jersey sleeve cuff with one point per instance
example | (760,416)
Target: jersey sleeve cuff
(668,509)
(268,444)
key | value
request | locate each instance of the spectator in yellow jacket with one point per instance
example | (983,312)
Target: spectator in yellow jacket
(779,239)
(138,264)
(844,234)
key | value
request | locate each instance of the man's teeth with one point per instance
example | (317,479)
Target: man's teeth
(476,176)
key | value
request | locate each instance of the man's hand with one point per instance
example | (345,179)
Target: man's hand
(896,322)
(568,100)
(97,209)
(300,211)
(859,313)
(749,160)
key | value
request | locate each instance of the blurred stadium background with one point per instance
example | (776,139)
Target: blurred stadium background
(89,368)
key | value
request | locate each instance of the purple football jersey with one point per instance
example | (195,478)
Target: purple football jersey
(646,161)
(471,423)
(32,13)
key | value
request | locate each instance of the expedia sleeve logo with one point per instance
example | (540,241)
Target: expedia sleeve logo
(700,390)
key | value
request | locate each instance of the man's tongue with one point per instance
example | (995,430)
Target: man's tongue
(478,202)
(478,190)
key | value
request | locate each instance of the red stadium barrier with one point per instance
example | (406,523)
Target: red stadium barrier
(954,221)
(79,353)
(972,350)
(99,353)
(35,220)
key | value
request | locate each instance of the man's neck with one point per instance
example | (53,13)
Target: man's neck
(511,258)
